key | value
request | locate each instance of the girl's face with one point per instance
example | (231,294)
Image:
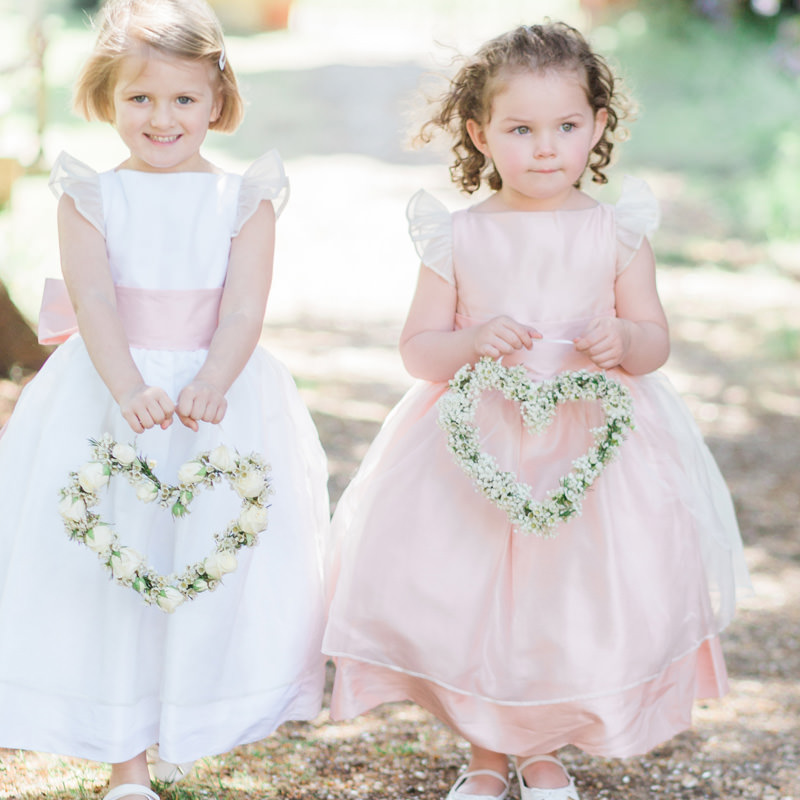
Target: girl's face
(540,134)
(163,106)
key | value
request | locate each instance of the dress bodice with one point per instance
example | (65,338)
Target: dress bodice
(168,239)
(539,267)
(169,231)
(552,270)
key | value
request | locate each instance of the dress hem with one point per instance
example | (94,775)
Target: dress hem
(517,703)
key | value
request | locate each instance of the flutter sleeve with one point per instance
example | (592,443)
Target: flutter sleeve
(637,215)
(82,184)
(431,230)
(263,180)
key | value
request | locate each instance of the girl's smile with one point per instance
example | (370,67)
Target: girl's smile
(539,136)
(162,109)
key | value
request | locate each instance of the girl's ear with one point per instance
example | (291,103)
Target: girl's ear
(478,137)
(216,108)
(600,122)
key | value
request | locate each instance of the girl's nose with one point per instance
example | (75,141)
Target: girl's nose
(161,116)
(543,146)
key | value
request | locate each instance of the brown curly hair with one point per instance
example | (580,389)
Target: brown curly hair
(553,45)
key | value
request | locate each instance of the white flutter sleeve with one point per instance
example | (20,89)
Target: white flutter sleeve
(78,180)
(264,179)
(431,230)
(637,215)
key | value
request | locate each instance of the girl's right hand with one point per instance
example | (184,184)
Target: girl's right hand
(145,407)
(503,335)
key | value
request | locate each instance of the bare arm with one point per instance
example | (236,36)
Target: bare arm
(430,347)
(638,338)
(241,318)
(84,264)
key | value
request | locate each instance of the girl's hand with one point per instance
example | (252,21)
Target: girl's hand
(201,401)
(606,341)
(147,406)
(503,335)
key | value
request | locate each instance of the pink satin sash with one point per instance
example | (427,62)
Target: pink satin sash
(153,319)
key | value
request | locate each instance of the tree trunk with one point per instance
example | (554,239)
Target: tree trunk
(18,344)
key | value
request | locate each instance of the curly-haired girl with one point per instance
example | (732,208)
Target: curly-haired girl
(602,635)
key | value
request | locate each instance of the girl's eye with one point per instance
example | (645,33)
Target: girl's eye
(522,130)
(566,127)
(139,98)
(185,101)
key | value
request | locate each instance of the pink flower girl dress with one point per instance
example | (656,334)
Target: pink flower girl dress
(600,637)
(86,667)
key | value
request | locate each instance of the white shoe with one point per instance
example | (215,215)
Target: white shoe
(131,790)
(167,772)
(568,792)
(455,794)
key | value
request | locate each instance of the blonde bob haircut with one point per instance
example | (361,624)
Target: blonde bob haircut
(179,28)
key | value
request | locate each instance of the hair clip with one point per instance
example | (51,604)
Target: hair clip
(222,60)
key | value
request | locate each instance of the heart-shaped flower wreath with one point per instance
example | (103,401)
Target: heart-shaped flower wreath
(538,403)
(247,475)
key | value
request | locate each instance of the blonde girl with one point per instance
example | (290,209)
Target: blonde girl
(602,633)
(167,262)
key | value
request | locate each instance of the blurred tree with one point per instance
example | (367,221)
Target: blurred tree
(18,344)
(726,10)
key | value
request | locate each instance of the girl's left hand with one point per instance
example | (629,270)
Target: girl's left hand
(200,401)
(606,341)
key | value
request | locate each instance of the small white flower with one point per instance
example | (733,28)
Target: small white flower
(219,564)
(72,509)
(169,598)
(250,483)
(123,453)
(93,476)
(146,491)
(253,519)
(99,538)
(191,472)
(125,563)
(222,459)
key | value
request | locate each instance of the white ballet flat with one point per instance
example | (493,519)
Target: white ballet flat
(131,790)
(167,772)
(455,794)
(568,792)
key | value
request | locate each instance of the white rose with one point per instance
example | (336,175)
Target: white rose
(72,509)
(99,538)
(253,519)
(222,459)
(93,475)
(249,484)
(124,453)
(169,598)
(125,563)
(146,491)
(191,472)
(218,564)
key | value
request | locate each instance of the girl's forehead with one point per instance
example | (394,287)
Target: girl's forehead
(147,63)
(552,87)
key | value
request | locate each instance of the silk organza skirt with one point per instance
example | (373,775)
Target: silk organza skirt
(601,637)
(86,668)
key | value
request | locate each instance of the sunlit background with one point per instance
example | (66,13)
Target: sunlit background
(335,86)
